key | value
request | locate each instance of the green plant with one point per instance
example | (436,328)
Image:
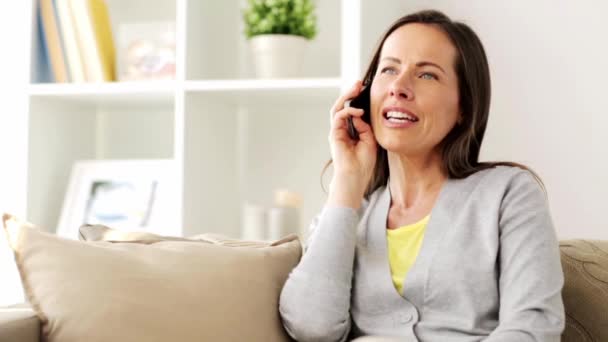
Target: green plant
(294,17)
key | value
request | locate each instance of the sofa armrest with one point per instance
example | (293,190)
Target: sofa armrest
(19,324)
(585,264)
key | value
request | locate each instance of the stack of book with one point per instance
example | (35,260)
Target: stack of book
(76,43)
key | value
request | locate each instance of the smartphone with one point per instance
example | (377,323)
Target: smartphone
(360,101)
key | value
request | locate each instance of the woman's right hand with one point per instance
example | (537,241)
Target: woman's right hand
(353,161)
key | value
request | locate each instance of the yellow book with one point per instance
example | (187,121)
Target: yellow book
(95,39)
(103,35)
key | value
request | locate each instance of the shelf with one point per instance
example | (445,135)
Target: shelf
(238,92)
(118,93)
(220,123)
(260,84)
(274,91)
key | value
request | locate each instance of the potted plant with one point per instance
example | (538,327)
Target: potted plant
(278,32)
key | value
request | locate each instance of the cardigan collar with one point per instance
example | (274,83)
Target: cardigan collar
(439,223)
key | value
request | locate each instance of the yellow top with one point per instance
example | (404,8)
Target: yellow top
(403,247)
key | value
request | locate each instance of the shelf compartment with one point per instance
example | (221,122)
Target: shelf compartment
(216,46)
(237,153)
(121,13)
(62,132)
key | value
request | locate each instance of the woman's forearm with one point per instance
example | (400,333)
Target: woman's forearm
(315,300)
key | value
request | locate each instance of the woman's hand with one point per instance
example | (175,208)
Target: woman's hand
(353,160)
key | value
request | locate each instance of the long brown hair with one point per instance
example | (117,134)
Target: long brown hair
(461,146)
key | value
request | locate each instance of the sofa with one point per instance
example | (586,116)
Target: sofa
(585,293)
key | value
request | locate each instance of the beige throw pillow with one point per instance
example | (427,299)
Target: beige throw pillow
(187,290)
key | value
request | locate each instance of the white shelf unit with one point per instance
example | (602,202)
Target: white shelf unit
(234,138)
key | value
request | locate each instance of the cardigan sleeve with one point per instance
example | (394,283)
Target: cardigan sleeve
(531,276)
(315,301)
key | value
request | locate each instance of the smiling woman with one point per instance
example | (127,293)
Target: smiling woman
(419,240)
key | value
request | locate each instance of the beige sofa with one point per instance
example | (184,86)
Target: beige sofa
(585,295)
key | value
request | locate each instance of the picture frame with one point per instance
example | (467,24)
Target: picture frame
(130,195)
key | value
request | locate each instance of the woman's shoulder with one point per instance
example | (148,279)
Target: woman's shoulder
(500,174)
(502,179)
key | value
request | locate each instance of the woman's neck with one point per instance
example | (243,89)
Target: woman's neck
(414,179)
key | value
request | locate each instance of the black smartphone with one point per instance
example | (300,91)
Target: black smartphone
(360,101)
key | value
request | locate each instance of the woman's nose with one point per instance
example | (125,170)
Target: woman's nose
(401,88)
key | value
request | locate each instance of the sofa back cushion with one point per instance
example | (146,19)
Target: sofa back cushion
(585,292)
(152,289)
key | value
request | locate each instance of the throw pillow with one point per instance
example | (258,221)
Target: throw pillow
(163,290)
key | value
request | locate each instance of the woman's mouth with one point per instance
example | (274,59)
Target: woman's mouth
(398,119)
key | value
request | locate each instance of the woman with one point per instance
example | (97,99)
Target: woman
(418,239)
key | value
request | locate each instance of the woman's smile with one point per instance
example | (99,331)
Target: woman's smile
(397,117)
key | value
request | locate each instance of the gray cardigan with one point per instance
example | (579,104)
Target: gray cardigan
(488,269)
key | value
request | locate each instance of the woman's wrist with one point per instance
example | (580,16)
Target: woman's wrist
(345,193)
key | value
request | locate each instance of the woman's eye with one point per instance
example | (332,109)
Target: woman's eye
(388,70)
(428,76)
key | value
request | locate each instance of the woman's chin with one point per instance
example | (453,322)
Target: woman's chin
(400,148)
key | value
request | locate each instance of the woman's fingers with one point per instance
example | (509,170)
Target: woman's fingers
(364,129)
(339,104)
(339,120)
(339,126)
(345,112)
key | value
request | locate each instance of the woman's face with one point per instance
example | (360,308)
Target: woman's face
(414,94)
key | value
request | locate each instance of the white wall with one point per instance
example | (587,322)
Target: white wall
(549,65)
(14,30)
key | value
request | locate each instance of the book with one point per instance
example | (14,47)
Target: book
(95,38)
(71,46)
(62,43)
(53,41)
(42,66)
(103,34)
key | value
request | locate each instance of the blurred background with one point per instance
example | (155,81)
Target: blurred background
(180,82)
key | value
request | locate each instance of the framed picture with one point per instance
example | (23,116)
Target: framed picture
(131,195)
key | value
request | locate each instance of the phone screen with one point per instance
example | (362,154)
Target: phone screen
(360,101)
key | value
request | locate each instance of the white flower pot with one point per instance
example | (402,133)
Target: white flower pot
(277,55)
